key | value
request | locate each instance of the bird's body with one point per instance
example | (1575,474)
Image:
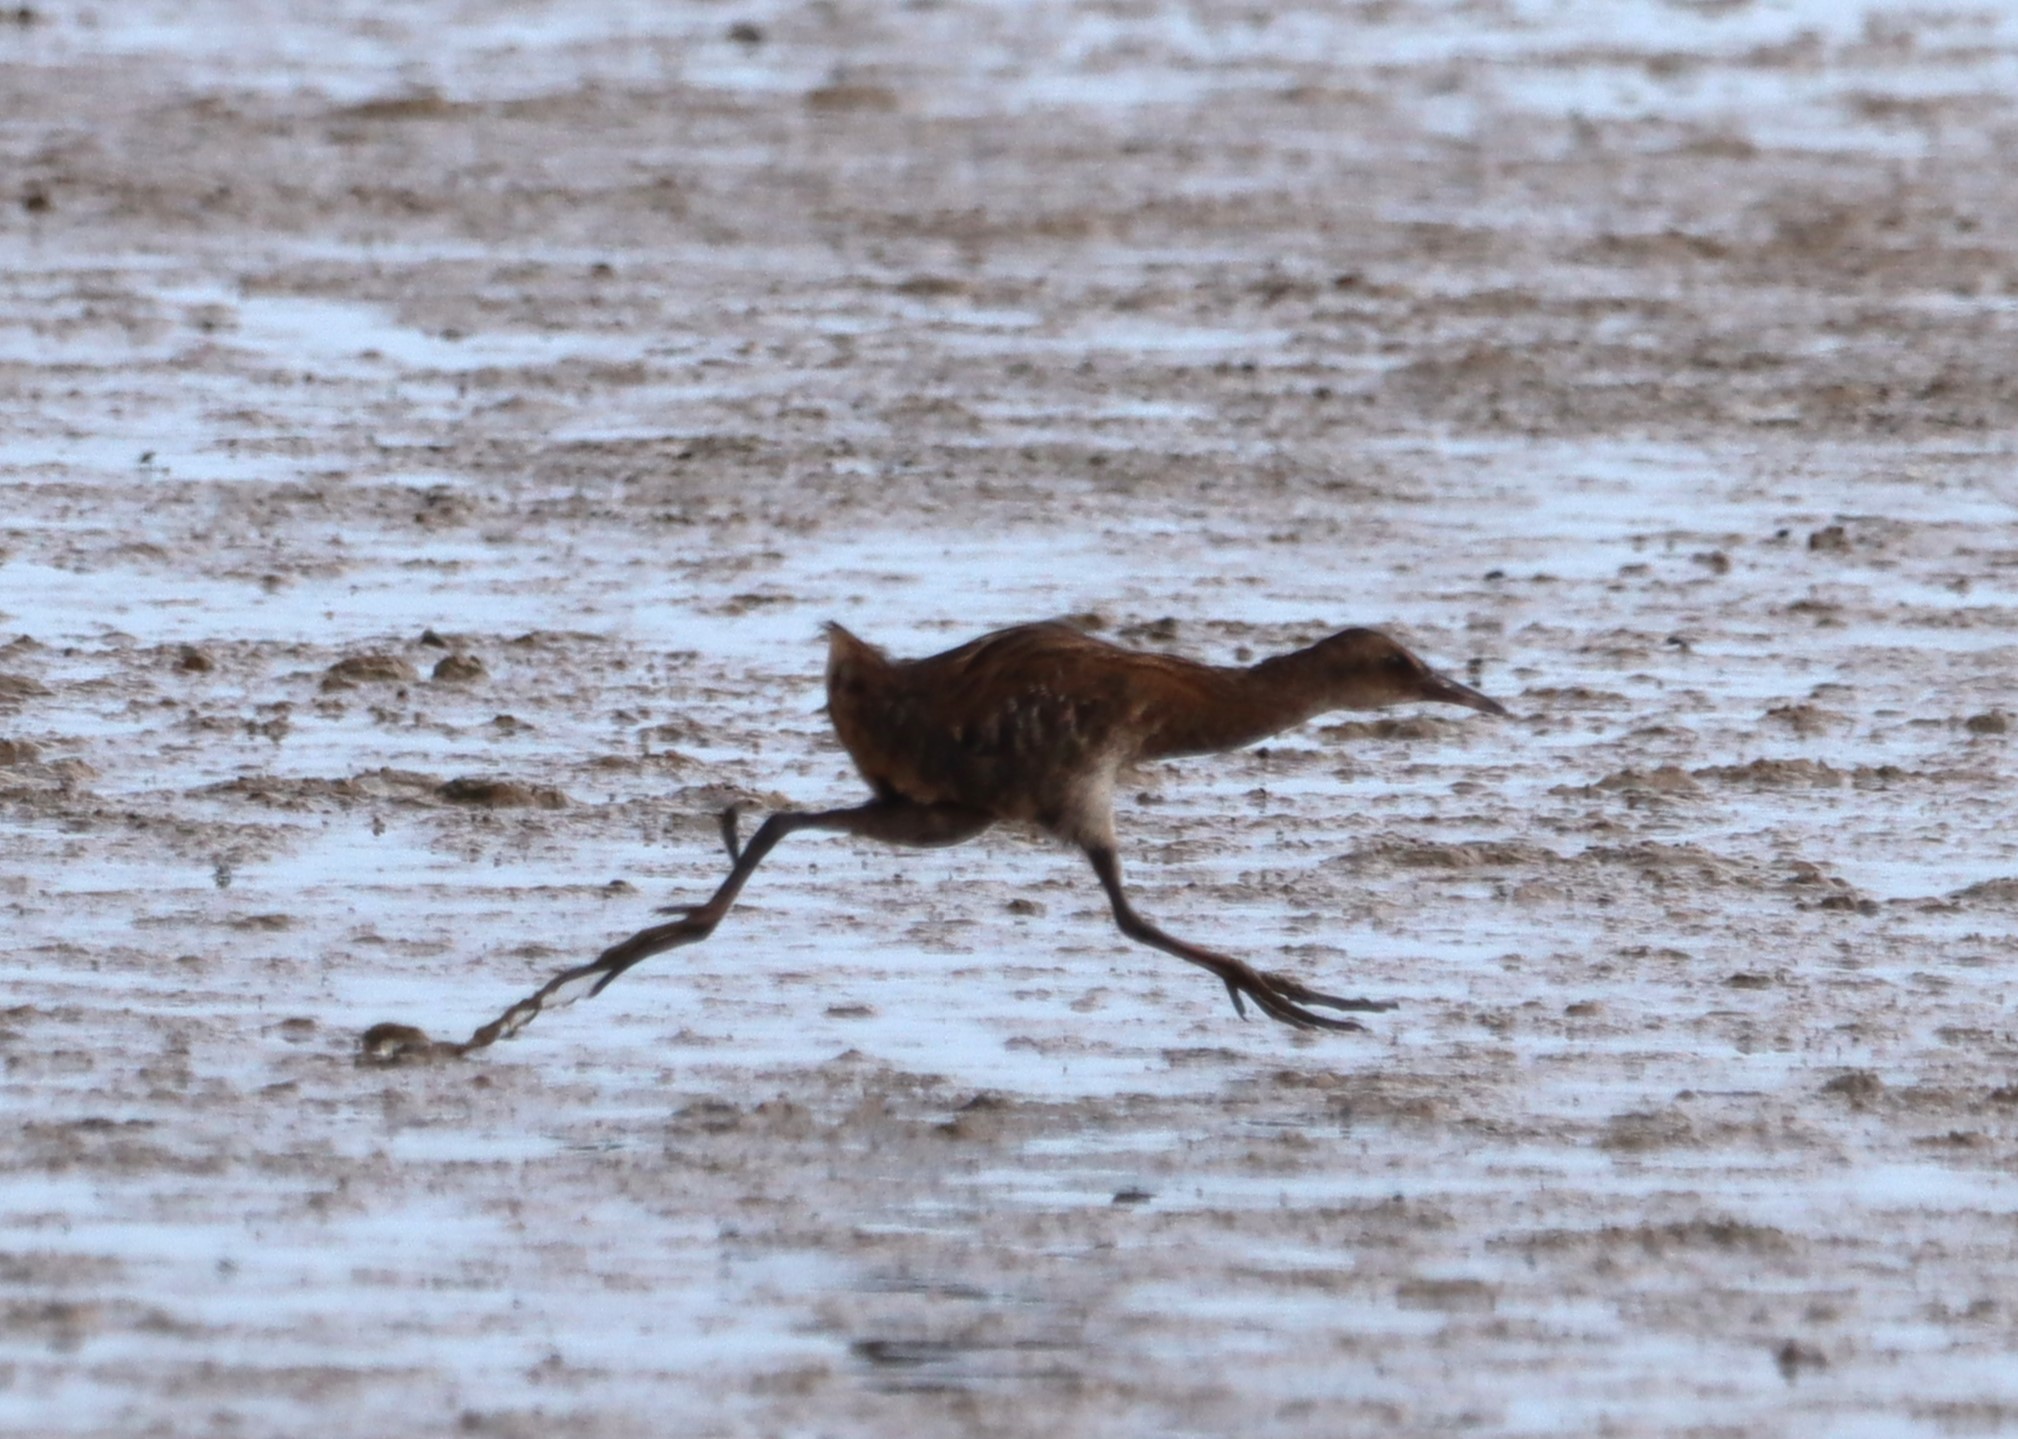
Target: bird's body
(1032,724)
(1028,724)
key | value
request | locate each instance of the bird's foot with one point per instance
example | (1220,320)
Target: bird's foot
(1284,999)
(1304,994)
(585,981)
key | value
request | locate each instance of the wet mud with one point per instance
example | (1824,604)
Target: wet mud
(439,432)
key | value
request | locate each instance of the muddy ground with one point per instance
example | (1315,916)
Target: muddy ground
(435,433)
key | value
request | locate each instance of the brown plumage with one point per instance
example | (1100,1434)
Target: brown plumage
(1032,724)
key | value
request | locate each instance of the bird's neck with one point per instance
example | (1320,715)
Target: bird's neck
(1245,705)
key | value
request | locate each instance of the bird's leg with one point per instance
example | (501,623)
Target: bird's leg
(893,821)
(920,826)
(1278,996)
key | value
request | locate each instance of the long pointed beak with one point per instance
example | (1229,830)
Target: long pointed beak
(1446,690)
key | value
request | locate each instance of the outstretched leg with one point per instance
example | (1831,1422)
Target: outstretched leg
(892,821)
(1278,996)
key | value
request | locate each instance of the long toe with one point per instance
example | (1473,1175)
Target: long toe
(1303,994)
(1285,1002)
(1297,1017)
(696,923)
(1324,1021)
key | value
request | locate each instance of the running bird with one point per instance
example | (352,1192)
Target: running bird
(1032,724)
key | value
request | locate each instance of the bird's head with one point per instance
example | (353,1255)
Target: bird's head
(1364,669)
